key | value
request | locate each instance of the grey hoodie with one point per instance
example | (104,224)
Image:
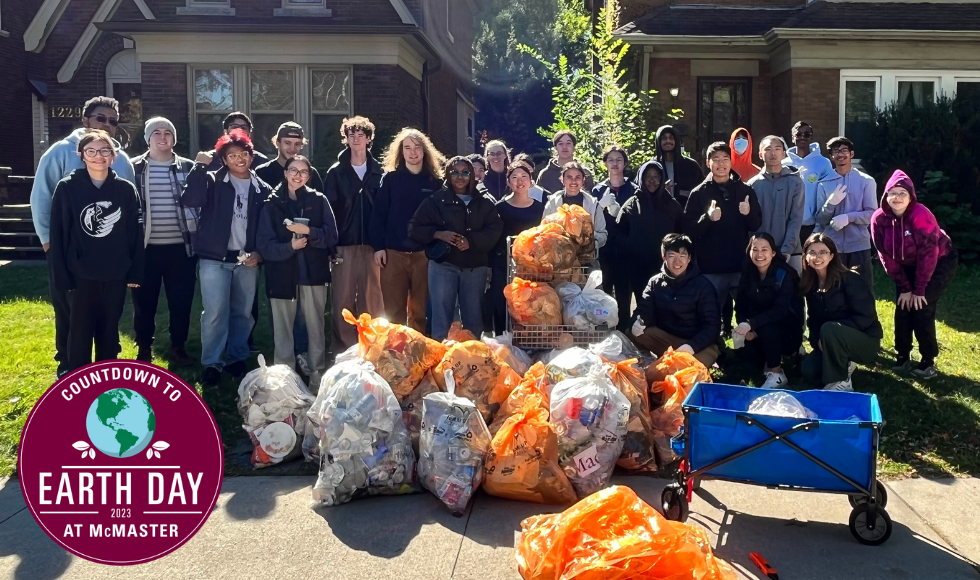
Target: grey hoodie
(781,196)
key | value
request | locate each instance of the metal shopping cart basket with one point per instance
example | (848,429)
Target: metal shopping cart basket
(834,453)
(541,337)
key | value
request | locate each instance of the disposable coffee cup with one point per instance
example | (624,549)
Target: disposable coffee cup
(303,221)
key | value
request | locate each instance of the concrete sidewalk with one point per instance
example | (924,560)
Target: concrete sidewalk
(263,528)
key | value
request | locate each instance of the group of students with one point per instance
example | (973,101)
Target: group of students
(416,237)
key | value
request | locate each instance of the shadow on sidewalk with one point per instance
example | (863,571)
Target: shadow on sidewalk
(40,558)
(255,497)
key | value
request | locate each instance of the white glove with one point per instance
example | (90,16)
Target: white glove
(685,348)
(608,198)
(743,328)
(638,328)
(614,209)
(839,221)
(838,195)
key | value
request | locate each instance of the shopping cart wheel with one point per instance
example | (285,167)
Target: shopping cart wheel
(881,497)
(674,503)
(870,525)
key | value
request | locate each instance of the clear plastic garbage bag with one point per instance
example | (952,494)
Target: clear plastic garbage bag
(453,447)
(571,362)
(412,408)
(587,306)
(503,347)
(615,348)
(780,404)
(273,402)
(639,449)
(589,416)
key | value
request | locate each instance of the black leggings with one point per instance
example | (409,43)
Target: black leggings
(96,307)
(922,323)
(772,341)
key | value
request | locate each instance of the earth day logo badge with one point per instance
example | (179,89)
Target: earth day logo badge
(121,462)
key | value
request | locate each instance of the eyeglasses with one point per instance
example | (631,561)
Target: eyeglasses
(840,151)
(293,172)
(103,119)
(92,153)
(455,173)
(805,134)
(820,254)
(897,195)
(244,155)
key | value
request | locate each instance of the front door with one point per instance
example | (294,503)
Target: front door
(723,106)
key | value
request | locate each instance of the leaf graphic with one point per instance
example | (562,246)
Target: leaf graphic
(84,453)
(161,445)
(80,445)
(149,453)
(157,453)
(91,453)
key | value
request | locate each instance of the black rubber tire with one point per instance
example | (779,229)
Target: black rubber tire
(674,503)
(873,536)
(881,499)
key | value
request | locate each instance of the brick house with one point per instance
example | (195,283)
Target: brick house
(399,62)
(765,64)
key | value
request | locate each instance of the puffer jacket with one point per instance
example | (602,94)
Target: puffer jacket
(720,246)
(912,239)
(686,306)
(850,303)
(478,222)
(762,301)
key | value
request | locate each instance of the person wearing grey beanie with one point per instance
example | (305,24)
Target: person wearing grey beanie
(168,234)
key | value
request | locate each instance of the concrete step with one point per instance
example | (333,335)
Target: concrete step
(16,224)
(21,252)
(19,239)
(22,210)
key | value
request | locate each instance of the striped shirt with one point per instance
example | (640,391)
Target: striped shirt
(163,209)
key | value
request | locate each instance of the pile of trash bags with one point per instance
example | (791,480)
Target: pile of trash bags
(479,374)
(273,402)
(588,306)
(544,250)
(532,303)
(615,535)
(578,226)
(671,378)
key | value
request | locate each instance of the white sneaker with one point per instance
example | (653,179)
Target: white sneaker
(844,385)
(851,367)
(775,380)
(302,364)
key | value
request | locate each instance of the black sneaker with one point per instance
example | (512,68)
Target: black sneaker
(903,364)
(211,376)
(145,354)
(925,370)
(62,369)
(236,369)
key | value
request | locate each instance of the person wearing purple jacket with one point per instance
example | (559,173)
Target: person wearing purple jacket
(919,256)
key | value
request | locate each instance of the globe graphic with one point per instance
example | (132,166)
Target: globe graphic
(120,423)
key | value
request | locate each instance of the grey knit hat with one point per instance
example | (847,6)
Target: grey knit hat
(158,123)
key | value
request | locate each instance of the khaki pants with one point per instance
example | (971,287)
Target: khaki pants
(314,301)
(405,286)
(657,341)
(356,287)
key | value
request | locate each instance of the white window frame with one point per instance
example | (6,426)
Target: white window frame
(206,8)
(303,9)
(449,32)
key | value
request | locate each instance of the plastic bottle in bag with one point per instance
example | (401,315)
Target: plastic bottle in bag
(452,448)
(412,408)
(364,446)
(587,306)
(273,402)
(590,417)
(571,362)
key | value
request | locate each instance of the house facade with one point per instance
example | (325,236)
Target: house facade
(399,62)
(765,64)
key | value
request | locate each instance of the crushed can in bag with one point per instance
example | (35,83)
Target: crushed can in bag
(273,402)
(571,362)
(590,417)
(453,447)
(412,408)
(364,446)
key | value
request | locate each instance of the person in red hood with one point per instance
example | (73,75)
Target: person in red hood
(741,144)
(919,256)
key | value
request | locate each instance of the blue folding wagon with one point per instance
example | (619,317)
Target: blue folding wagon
(834,453)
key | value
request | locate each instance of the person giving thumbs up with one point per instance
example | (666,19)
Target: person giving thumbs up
(714,212)
(743,208)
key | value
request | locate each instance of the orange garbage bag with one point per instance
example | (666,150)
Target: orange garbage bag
(400,354)
(529,390)
(523,460)
(639,449)
(670,363)
(615,535)
(543,249)
(578,225)
(532,303)
(668,419)
(480,376)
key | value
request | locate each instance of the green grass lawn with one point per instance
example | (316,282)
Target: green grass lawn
(933,427)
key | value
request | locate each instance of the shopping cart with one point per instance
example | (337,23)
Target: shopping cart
(834,453)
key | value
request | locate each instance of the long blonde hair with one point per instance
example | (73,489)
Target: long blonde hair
(433,160)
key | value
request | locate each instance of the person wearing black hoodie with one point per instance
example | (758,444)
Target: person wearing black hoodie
(679,308)
(351,185)
(614,259)
(460,228)
(643,222)
(720,214)
(96,249)
(683,174)
(296,231)
(413,168)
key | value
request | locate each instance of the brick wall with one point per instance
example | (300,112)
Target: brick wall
(165,95)
(88,82)
(442,111)
(816,100)
(667,73)
(15,106)
(782,99)
(390,97)
(761,120)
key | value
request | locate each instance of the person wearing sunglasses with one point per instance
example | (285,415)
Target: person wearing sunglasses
(920,258)
(459,228)
(813,168)
(96,249)
(841,317)
(414,171)
(845,202)
(229,201)
(60,160)
(240,121)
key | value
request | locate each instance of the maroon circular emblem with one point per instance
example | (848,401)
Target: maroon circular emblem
(120,462)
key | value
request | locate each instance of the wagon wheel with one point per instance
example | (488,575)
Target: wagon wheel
(870,525)
(881,497)
(674,503)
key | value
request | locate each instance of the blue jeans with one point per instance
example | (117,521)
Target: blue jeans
(227,292)
(449,285)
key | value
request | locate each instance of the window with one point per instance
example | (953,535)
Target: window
(916,93)
(968,89)
(303,8)
(723,106)
(860,103)
(316,97)
(213,7)
(123,78)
